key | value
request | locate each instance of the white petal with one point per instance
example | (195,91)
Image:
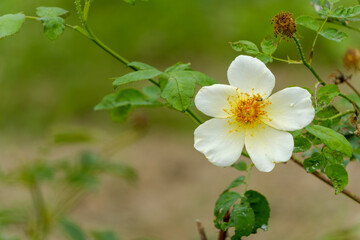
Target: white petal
(247,73)
(290,109)
(213,139)
(267,146)
(212,100)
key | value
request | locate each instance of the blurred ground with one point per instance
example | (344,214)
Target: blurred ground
(177,185)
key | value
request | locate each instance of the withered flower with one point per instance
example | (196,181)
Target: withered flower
(284,25)
(351,59)
(339,77)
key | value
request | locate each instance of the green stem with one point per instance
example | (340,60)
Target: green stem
(90,34)
(337,115)
(317,75)
(340,24)
(68,201)
(245,154)
(351,28)
(287,61)
(32,18)
(352,87)
(195,117)
(314,42)
(42,225)
(306,63)
(86,9)
(349,100)
(312,143)
(248,170)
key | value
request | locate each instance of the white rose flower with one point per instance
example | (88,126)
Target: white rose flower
(245,114)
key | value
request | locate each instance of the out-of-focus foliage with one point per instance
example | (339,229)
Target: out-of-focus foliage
(67,180)
(63,80)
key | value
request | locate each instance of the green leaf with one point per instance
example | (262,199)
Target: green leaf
(327,112)
(51,12)
(345,12)
(11,24)
(316,161)
(268,46)
(261,209)
(296,133)
(242,217)
(338,176)
(354,141)
(179,90)
(36,172)
(245,46)
(152,92)
(125,97)
(105,235)
(237,182)
(53,26)
(120,114)
(222,205)
(333,156)
(319,4)
(163,80)
(179,66)
(326,93)
(330,138)
(324,11)
(140,66)
(241,166)
(301,144)
(264,58)
(333,34)
(72,230)
(136,76)
(308,22)
(120,170)
(201,78)
(323,115)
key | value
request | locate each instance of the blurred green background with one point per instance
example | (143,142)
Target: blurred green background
(43,82)
(46,85)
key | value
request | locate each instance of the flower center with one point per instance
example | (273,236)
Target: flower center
(246,111)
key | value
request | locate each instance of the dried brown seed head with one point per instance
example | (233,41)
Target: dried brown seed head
(284,25)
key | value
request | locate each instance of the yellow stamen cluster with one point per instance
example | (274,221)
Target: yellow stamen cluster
(246,110)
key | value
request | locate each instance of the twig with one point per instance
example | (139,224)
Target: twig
(353,88)
(314,42)
(306,64)
(201,230)
(223,234)
(328,182)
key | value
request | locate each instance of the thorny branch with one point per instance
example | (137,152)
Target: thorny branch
(327,181)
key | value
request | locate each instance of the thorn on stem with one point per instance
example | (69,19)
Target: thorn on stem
(201,230)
